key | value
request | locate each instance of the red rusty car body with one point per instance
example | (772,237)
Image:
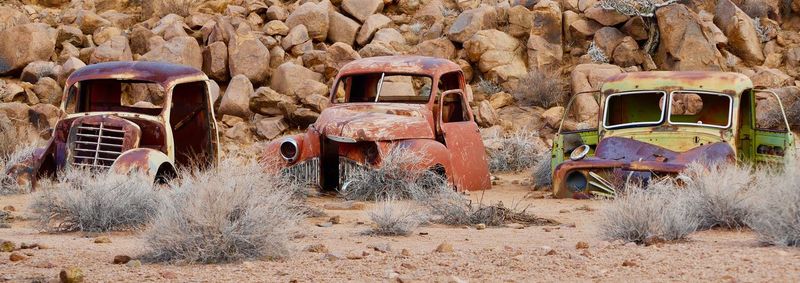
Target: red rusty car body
(383,103)
(124,116)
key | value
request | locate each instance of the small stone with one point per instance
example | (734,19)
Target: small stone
(480,226)
(5,226)
(134,263)
(563,211)
(121,259)
(324,224)
(42,246)
(383,248)
(102,240)
(405,252)
(331,257)
(168,275)
(586,253)
(515,226)
(408,266)
(317,248)
(550,251)
(582,245)
(445,247)
(347,205)
(335,219)
(17,257)
(355,256)
(654,240)
(44,264)
(71,275)
(7,246)
(9,208)
(629,263)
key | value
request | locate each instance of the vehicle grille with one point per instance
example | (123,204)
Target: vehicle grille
(97,145)
(307,172)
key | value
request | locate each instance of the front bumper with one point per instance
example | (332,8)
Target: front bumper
(593,177)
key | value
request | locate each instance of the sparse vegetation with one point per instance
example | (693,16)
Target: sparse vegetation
(596,54)
(721,194)
(488,87)
(8,185)
(643,8)
(395,219)
(542,88)
(542,172)
(514,153)
(96,202)
(398,177)
(228,213)
(661,211)
(775,207)
(451,208)
(761,30)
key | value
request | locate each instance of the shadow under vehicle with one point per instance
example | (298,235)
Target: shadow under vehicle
(419,104)
(130,116)
(653,124)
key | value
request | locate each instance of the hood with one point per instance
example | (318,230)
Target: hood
(636,155)
(376,121)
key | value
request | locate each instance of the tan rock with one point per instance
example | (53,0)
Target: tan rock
(501,99)
(39,69)
(439,48)
(236,100)
(314,17)
(71,275)
(544,44)
(605,17)
(288,77)
(635,27)
(178,50)
(11,17)
(89,22)
(297,35)
(248,56)
(485,115)
(215,61)
(684,46)
(740,30)
(499,56)
(371,25)
(271,127)
(103,34)
(277,13)
(771,78)
(607,39)
(276,27)
(362,9)
(627,53)
(115,49)
(48,91)
(267,102)
(342,29)
(520,21)
(39,41)
(470,22)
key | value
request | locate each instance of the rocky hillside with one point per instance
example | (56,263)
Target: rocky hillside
(274,60)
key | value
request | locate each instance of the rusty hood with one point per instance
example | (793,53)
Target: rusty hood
(376,121)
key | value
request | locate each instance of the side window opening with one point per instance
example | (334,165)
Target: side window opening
(190,122)
(453,109)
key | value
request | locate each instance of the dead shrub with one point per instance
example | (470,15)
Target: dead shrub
(451,208)
(394,179)
(395,219)
(775,206)
(227,213)
(96,202)
(515,152)
(660,211)
(8,185)
(542,171)
(540,88)
(721,194)
(488,87)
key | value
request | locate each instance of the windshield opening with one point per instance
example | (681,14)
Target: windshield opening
(383,87)
(634,109)
(700,108)
(115,96)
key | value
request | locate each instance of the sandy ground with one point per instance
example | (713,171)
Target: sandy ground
(493,254)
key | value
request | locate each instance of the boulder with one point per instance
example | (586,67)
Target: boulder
(342,29)
(607,39)
(241,132)
(178,50)
(635,27)
(215,61)
(311,87)
(44,116)
(499,56)
(743,39)
(302,117)
(389,35)
(316,102)
(248,56)
(683,45)
(544,44)
(362,9)
(583,28)
(314,16)
(439,48)
(268,102)
(276,27)
(12,92)
(605,17)
(552,116)
(236,100)
(470,22)
(289,77)
(39,69)
(297,35)
(627,53)
(71,65)
(277,13)
(103,34)
(39,45)
(485,115)
(371,25)
(11,17)
(520,21)
(139,40)
(89,22)
(771,78)
(588,77)
(70,34)
(271,127)
(115,49)
(501,99)
(48,91)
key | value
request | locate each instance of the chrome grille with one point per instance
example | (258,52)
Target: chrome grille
(346,168)
(307,172)
(97,145)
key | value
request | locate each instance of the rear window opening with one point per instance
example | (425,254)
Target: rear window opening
(383,87)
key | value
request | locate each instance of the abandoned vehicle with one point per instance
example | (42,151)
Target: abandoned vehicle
(710,118)
(124,116)
(419,104)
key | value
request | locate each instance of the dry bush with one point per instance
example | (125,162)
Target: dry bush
(8,185)
(540,88)
(394,179)
(721,194)
(596,54)
(515,152)
(228,213)
(775,206)
(451,208)
(488,87)
(542,171)
(661,211)
(96,202)
(761,30)
(395,219)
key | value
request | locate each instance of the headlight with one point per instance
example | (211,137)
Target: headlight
(290,150)
(579,152)
(576,181)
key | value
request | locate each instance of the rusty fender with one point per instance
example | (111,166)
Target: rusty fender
(433,153)
(146,161)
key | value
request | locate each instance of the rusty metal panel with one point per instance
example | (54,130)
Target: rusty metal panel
(470,166)
(728,83)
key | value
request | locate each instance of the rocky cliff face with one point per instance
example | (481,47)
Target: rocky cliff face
(275,61)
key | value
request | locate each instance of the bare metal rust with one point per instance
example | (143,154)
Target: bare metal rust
(364,132)
(153,142)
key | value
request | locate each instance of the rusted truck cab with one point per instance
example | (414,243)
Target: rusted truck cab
(653,124)
(382,103)
(130,116)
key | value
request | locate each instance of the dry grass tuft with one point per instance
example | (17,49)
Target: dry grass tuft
(596,54)
(660,211)
(84,201)
(542,171)
(395,219)
(721,194)
(8,185)
(775,207)
(229,213)
(394,179)
(452,208)
(540,88)
(515,152)
(488,87)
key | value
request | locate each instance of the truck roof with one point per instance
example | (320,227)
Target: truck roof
(429,66)
(724,82)
(160,73)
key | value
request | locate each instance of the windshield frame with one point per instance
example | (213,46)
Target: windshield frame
(78,85)
(730,109)
(339,79)
(661,120)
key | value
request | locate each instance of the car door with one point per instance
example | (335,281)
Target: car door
(469,164)
(772,143)
(564,142)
